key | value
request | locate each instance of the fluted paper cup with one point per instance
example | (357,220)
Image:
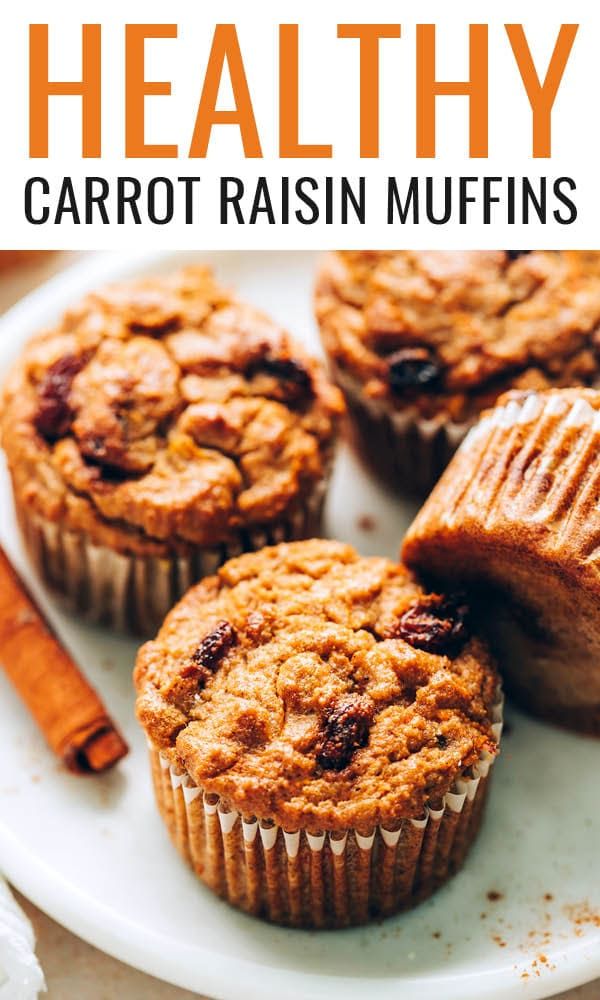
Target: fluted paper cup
(405,449)
(314,878)
(131,592)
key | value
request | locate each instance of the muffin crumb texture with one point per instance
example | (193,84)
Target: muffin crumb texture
(446,332)
(162,414)
(288,686)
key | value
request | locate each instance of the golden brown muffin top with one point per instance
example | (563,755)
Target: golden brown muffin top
(310,686)
(520,500)
(164,411)
(449,331)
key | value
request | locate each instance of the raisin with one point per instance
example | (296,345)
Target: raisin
(190,670)
(295,379)
(515,254)
(54,415)
(441,740)
(412,368)
(345,730)
(210,652)
(435,624)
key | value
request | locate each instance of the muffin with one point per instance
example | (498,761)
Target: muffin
(422,342)
(321,732)
(515,516)
(158,429)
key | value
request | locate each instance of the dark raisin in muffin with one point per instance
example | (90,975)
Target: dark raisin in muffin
(321,732)
(159,428)
(422,341)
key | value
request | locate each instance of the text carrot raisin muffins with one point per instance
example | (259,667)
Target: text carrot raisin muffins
(321,731)
(422,341)
(159,428)
(516,515)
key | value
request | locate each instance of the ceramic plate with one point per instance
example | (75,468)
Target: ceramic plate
(521,919)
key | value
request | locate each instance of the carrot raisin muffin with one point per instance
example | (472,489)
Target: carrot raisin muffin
(422,341)
(159,428)
(321,731)
(516,516)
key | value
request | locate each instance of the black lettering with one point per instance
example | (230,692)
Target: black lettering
(394,202)
(307,200)
(537,200)
(167,186)
(511,201)
(489,199)
(44,215)
(559,183)
(129,199)
(67,203)
(227,199)
(97,199)
(429,207)
(262,203)
(358,202)
(188,183)
(465,198)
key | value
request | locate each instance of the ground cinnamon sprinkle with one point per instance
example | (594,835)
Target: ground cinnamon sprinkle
(582,914)
(541,961)
(539,939)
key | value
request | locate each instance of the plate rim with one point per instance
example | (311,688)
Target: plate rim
(128,942)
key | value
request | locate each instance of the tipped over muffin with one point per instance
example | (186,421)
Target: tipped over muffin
(321,731)
(422,341)
(516,517)
(158,429)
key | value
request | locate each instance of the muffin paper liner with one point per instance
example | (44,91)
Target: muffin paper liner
(407,450)
(133,593)
(530,464)
(316,879)
(519,506)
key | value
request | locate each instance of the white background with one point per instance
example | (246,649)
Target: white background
(329,114)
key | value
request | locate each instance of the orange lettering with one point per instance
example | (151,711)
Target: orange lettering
(542,95)
(225,49)
(475,88)
(369,35)
(289,145)
(137,88)
(89,89)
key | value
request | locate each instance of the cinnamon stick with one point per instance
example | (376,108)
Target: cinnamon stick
(66,708)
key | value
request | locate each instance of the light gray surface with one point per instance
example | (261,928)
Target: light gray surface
(74,969)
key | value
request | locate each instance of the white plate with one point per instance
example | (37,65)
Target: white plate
(93,852)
